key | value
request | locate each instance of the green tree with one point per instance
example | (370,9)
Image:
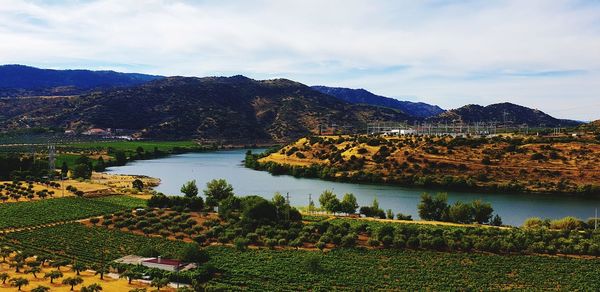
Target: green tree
(79,267)
(92,288)
(72,281)
(461,213)
(101,270)
(53,275)
(40,288)
(81,171)
(279,201)
(4,277)
(349,204)
(190,189)
(433,208)
(496,221)
(256,209)
(139,185)
(100,165)
(482,212)
(59,263)
(325,197)
(19,282)
(120,157)
(375,204)
(131,275)
(389,214)
(329,201)
(17,264)
(64,169)
(216,191)
(193,253)
(34,270)
(159,283)
(5,252)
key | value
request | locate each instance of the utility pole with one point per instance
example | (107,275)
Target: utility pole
(51,160)
(287,201)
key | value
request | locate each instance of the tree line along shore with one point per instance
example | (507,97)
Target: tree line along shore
(533,164)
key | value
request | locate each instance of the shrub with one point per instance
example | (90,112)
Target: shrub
(313,263)
(401,216)
(240,243)
(533,223)
(320,245)
(373,242)
(537,156)
(567,223)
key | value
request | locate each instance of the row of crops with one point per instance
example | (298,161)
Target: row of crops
(339,269)
(89,244)
(357,269)
(496,240)
(28,214)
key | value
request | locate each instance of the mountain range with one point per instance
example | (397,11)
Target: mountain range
(362,96)
(19,80)
(225,108)
(237,108)
(503,113)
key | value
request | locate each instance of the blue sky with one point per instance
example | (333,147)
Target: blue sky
(541,54)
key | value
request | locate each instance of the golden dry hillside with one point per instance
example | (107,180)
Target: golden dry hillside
(530,164)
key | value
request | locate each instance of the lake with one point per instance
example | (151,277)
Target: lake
(175,170)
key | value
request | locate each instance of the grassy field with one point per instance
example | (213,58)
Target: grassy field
(24,214)
(130,145)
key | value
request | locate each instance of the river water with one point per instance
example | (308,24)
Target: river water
(175,170)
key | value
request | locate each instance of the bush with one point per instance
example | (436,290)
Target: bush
(241,243)
(401,216)
(534,223)
(496,221)
(313,263)
(320,245)
(537,156)
(567,223)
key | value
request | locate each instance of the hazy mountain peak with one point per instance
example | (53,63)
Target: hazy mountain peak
(363,96)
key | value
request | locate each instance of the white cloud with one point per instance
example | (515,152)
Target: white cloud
(452,52)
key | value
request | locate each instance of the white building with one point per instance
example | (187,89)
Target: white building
(164,264)
(157,263)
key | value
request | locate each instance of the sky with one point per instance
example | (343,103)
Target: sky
(542,54)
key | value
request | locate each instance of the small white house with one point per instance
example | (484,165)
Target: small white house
(157,263)
(407,131)
(164,264)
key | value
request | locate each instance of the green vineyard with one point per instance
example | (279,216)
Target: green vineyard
(384,270)
(27,214)
(88,244)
